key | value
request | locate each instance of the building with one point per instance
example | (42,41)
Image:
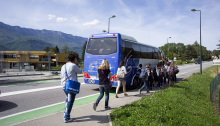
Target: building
(30,60)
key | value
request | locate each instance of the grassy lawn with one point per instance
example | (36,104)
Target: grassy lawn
(186,103)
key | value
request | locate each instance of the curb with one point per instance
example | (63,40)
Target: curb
(20,75)
(109,119)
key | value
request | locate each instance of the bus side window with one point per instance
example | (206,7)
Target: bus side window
(150,53)
(143,51)
(155,54)
(128,49)
(137,50)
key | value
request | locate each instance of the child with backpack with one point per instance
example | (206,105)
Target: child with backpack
(122,80)
(150,77)
(160,75)
(145,73)
(138,74)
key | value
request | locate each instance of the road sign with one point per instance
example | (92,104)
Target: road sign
(216,62)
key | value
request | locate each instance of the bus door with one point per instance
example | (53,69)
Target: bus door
(128,55)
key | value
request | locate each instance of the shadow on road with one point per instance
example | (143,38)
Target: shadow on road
(5,105)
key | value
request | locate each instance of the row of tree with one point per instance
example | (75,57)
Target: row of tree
(170,50)
(182,52)
(65,50)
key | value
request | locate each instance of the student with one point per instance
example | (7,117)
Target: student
(72,69)
(121,80)
(172,73)
(165,72)
(103,73)
(159,70)
(150,77)
(168,73)
(138,74)
(145,79)
(139,70)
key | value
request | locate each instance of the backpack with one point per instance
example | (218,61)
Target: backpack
(176,71)
(120,74)
(142,74)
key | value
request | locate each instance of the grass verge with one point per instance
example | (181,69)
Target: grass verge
(186,103)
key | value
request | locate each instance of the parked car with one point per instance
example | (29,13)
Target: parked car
(197,62)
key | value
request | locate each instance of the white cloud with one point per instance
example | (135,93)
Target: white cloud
(51,16)
(61,19)
(94,22)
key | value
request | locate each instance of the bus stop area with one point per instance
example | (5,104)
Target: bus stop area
(82,115)
(85,115)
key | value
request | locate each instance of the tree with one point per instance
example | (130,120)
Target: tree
(83,50)
(216,52)
(56,50)
(65,49)
(51,49)
(190,52)
(47,49)
(75,53)
(180,48)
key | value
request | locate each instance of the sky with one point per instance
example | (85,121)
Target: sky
(150,22)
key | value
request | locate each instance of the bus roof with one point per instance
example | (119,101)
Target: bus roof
(124,37)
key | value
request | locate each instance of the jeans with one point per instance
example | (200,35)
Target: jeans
(150,82)
(102,89)
(164,79)
(160,81)
(145,85)
(70,98)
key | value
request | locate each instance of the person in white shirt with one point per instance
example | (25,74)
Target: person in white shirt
(72,69)
(121,80)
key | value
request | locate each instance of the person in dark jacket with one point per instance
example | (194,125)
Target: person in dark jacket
(104,76)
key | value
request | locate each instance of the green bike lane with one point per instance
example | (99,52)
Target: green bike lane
(45,111)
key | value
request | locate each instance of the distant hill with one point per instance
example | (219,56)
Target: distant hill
(15,38)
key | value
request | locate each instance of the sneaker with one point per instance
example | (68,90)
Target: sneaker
(116,96)
(148,91)
(139,91)
(68,120)
(94,106)
(107,107)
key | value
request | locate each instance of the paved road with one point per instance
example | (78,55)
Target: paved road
(22,97)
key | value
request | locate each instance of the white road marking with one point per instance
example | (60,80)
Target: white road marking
(29,91)
(43,107)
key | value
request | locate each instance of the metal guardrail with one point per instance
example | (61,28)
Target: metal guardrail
(215,92)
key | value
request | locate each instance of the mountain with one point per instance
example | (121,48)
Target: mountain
(15,38)
(28,44)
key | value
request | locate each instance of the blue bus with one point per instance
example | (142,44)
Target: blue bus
(116,47)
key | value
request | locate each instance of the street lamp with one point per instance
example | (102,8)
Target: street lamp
(167,47)
(113,16)
(200,42)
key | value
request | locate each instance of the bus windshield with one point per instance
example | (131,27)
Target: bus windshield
(102,46)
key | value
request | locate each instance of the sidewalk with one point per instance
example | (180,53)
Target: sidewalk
(85,115)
